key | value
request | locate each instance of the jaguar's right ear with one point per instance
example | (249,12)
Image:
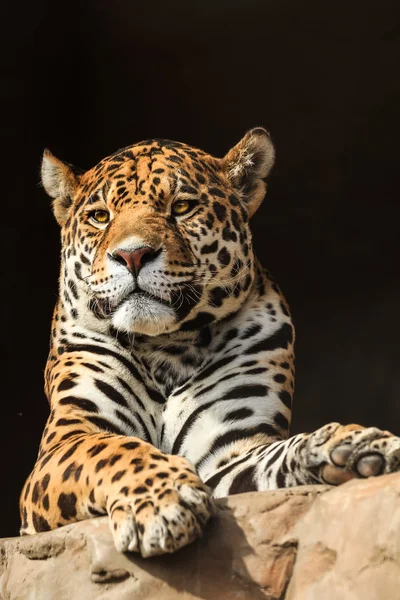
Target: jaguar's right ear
(60,181)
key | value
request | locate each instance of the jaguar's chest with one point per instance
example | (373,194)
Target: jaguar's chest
(169,366)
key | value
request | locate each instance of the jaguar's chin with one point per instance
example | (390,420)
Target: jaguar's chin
(142,313)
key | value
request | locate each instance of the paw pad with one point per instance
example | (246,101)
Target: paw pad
(340,455)
(370,465)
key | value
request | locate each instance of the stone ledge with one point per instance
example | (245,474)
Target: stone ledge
(305,543)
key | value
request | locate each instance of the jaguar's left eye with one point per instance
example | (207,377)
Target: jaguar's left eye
(100,216)
(181,207)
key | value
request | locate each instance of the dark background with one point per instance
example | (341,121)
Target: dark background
(85,79)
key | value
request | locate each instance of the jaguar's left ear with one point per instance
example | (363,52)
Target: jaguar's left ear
(248,164)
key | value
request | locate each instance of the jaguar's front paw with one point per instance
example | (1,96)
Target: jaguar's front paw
(337,453)
(162,512)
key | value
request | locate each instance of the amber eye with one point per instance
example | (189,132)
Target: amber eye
(100,216)
(181,207)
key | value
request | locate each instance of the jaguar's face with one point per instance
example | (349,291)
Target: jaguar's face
(156,237)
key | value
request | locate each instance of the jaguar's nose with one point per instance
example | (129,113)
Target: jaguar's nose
(135,259)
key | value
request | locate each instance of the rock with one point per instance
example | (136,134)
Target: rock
(310,542)
(349,544)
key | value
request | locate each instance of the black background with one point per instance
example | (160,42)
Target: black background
(85,79)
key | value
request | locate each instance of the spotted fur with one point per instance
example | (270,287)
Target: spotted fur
(171,360)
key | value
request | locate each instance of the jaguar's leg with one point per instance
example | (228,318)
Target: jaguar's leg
(155,502)
(333,454)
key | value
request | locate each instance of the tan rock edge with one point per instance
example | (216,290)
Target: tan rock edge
(306,543)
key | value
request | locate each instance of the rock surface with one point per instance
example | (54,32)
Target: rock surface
(306,543)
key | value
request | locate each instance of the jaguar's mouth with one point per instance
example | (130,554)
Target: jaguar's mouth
(140,293)
(142,312)
(138,290)
(139,296)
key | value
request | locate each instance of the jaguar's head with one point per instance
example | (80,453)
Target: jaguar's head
(156,237)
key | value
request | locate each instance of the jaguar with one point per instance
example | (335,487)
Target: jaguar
(170,375)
